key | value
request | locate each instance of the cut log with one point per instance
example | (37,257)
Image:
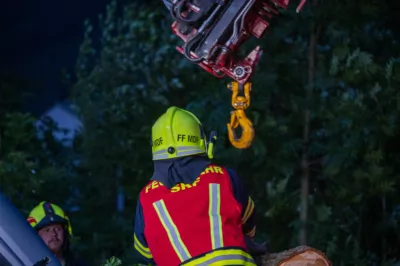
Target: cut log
(298,256)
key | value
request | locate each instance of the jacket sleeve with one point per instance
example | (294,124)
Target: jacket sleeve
(241,195)
(141,248)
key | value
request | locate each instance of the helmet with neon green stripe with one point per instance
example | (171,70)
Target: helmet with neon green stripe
(46,213)
(178,133)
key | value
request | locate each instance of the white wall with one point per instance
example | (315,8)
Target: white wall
(65,118)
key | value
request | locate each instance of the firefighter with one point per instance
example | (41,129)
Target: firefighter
(192,212)
(54,227)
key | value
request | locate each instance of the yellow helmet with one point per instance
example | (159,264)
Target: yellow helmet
(178,133)
(46,213)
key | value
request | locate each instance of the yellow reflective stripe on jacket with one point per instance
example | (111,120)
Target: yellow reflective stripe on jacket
(145,252)
(172,231)
(214,212)
(249,210)
(252,232)
(223,257)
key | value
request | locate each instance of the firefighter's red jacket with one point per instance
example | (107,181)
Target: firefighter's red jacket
(194,224)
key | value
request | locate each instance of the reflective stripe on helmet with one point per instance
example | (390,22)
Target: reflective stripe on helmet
(181,151)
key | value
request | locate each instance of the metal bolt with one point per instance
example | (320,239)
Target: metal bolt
(171,150)
(239,71)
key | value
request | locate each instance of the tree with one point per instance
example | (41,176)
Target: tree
(330,93)
(33,164)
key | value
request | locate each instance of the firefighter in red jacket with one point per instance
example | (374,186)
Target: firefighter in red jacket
(192,212)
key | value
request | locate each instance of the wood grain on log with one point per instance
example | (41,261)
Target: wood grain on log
(298,256)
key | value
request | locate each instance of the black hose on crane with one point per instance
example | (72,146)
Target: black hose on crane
(176,9)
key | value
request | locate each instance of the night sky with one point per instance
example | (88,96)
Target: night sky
(39,38)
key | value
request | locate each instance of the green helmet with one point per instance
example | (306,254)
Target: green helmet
(46,213)
(178,133)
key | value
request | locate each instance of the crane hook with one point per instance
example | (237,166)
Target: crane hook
(239,118)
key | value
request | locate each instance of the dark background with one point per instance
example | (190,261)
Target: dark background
(39,38)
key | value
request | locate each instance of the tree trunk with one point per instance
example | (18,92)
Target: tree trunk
(301,255)
(305,164)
